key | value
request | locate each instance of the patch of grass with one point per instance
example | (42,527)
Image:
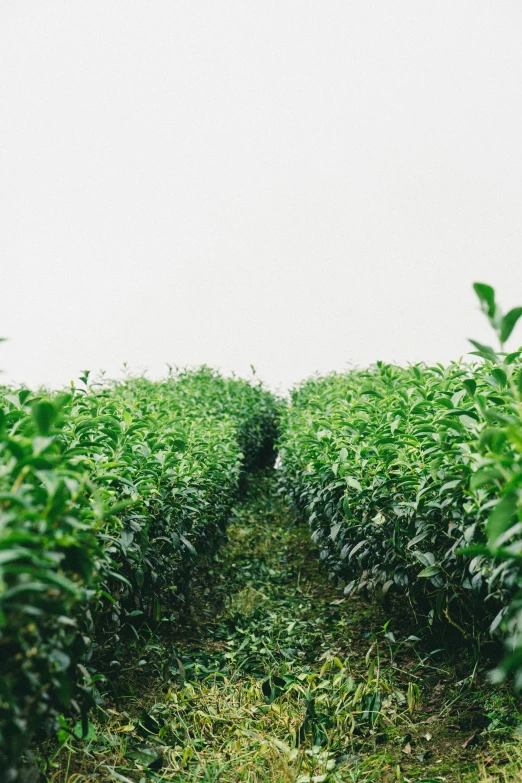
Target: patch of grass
(285,679)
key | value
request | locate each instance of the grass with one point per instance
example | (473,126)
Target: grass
(277,676)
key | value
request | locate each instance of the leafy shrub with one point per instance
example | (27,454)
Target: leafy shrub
(108,498)
(500,467)
(397,470)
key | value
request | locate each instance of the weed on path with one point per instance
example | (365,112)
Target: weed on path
(286,680)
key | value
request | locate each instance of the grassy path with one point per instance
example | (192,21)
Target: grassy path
(287,680)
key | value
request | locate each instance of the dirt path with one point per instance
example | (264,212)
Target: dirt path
(278,677)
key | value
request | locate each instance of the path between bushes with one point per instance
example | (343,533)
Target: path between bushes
(277,676)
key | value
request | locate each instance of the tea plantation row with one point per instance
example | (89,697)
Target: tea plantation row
(411,479)
(110,496)
(108,500)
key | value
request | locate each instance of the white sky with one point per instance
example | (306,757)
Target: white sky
(296,185)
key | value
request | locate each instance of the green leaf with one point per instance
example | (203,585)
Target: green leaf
(428,780)
(84,730)
(500,376)
(485,351)
(121,578)
(117,776)
(502,518)
(9,556)
(485,476)
(189,546)
(493,439)
(117,507)
(430,571)
(372,707)
(486,295)
(23,395)
(508,323)
(44,413)
(334,530)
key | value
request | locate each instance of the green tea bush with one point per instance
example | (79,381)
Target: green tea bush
(109,497)
(500,467)
(398,470)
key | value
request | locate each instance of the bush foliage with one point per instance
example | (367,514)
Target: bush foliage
(402,470)
(109,497)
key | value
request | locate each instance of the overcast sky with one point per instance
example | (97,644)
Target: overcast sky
(293,185)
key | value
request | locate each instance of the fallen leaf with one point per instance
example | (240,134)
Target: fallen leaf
(427,736)
(469,741)
(407,748)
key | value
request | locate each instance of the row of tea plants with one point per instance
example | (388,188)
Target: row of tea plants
(110,495)
(411,480)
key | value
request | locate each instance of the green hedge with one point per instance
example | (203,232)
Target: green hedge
(108,499)
(380,461)
(398,470)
